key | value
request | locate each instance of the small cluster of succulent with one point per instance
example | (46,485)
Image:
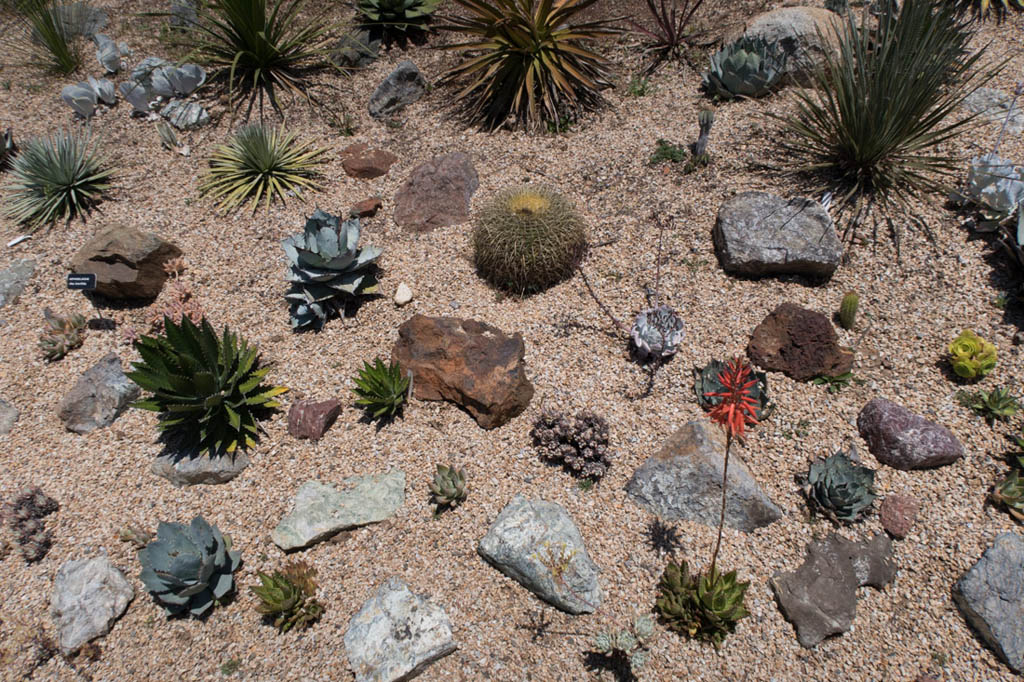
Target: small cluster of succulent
(839,488)
(448,488)
(971,356)
(848,310)
(696,156)
(381,389)
(994,405)
(835,382)
(1009,493)
(288,597)
(24,516)
(704,607)
(628,645)
(61,335)
(656,333)
(579,442)
(706,384)
(749,67)
(179,299)
(327,269)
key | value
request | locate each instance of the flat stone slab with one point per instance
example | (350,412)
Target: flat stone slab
(992,106)
(396,635)
(13,280)
(320,510)
(199,470)
(528,538)
(89,595)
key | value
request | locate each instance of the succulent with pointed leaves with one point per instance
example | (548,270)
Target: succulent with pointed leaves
(24,516)
(61,335)
(705,607)
(996,186)
(288,597)
(327,268)
(994,405)
(138,537)
(394,18)
(706,382)
(189,568)
(448,489)
(656,333)
(972,357)
(381,388)
(177,81)
(1010,494)
(839,488)
(137,95)
(749,67)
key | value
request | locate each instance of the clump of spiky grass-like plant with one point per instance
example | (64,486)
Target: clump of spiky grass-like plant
(49,38)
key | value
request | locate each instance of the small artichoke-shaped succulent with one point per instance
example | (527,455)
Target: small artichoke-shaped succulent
(61,335)
(1010,494)
(749,67)
(189,568)
(839,488)
(705,382)
(579,442)
(705,607)
(288,597)
(972,357)
(327,268)
(656,333)
(448,489)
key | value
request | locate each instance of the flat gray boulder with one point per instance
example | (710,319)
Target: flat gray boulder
(8,415)
(88,596)
(320,510)
(193,469)
(98,397)
(759,234)
(683,480)
(402,87)
(13,280)
(537,544)
(396,635)
(993,105)
(991,597)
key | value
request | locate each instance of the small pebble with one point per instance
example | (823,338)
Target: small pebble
(403,294)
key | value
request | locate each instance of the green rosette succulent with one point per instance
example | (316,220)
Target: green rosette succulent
(972,357)
(841,489)
(1010,494)
(287,597)
(749,67)
(448,489)
(705,607)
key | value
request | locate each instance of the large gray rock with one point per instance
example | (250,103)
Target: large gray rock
(402,87)
(760,234)
(127,263)
(8,415)
(185,115)
(903,440)
(991,597)
(99,396)
(88,596)
(437,193)
(993,105)
(683,480)
(537,544)
(13,280)
(396,635)
(805,33)
(820,597)
(184,469)
(319,510)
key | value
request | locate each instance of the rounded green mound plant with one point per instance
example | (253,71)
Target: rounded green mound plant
(749,67)
(53,178)
(839,488)
(527,239)
(704,607)
(381,389)
(189,568)
(208,390)
(972,357)
(448,488)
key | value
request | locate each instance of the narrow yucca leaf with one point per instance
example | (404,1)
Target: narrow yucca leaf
(46,39)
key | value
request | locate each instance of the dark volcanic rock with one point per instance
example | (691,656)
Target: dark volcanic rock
(800,343)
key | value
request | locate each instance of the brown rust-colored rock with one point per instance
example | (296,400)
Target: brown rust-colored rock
(367,208)
(800,343)
(127,263)
(359,161)
(470,363)
(311,419)
(897,514)
(437,193)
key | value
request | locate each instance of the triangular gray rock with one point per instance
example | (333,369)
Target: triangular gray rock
(88,596)
(99,396)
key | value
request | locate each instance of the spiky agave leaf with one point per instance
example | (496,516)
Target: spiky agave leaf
(705,607)
(749,67)
(395,18)
(381,388)
(208,391)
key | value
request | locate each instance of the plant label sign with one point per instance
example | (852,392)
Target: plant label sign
(81,282)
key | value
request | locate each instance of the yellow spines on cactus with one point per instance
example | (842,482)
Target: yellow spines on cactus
(972,357)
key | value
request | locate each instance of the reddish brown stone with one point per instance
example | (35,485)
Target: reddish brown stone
(800,343)
(437,193)
(367,208)
(359,161)
(309,419)
(470,363)
(898,513)
(127,263)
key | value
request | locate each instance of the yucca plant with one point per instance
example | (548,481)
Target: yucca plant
(392,20)
(208,391)
(872,128)
(55,177)
(526,60)
(49,42)
(260,163)
(381,388)
(288,597)
(670,32)
(258,49)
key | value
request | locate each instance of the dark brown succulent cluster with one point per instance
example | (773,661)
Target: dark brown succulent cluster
(579,441)
(24,516)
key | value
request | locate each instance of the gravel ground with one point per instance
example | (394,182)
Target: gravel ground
(911,310)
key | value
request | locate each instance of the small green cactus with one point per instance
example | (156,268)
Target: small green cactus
(972,357)
(61,335)
(448,489)
(848,310)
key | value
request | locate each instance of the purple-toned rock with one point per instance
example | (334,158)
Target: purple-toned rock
(359,161)
(903,440)
(437,193)
(310,419)
(898,513)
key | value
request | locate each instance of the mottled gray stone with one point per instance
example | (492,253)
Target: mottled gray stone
(396,635)
(99,396)
(319,510)
(528,539)
(760,234)
(903,440)
(993,105)
(683,480)
(991,597)
(402,87)
(189,469)
(8,415)
(185,115)
(88,596)
(13,280)
(820,597)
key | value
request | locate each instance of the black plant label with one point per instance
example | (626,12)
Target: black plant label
(81,282)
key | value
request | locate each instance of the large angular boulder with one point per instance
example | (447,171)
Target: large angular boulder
(820,597)
(807,34)
(903,440)
(437,193)
(683,480)
(991,597)
(402,87)
(88,596)
(470,363)
(537,544)
(800,343)
(127,263)
(359,161)
(760,234)
(13,280)
(396,635)
(98,397)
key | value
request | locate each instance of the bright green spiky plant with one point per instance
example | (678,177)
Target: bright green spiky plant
(705,607)
(209,391)
(260,163)
(395,19)
(53,178)
(995,405)
(526,60)
(381,388)
(288,597)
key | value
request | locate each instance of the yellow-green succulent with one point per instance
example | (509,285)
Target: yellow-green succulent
(972,357)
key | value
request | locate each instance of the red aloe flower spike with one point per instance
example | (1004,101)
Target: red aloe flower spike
(738,408)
